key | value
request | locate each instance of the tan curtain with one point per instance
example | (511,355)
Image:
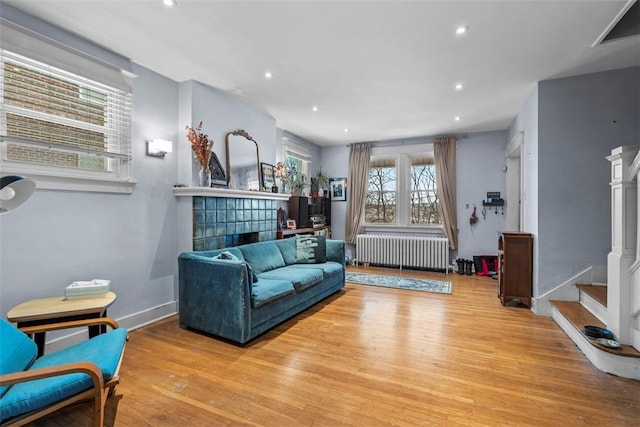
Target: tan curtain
(357,185)
(445,158)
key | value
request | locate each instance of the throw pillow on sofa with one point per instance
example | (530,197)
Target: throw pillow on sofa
(310,249)
(225,255)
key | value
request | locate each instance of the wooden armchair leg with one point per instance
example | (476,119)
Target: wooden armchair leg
(98,407)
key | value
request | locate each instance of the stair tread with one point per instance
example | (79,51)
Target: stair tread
(580,317)
(597,292)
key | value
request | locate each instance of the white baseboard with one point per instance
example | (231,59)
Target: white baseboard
(567,291)
(130,322)
(635,338)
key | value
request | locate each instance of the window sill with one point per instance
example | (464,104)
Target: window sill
(391,228)
(70,181)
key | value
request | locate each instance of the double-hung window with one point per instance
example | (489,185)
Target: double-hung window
(297,157)
(423,196)
(402,188)
(64,129)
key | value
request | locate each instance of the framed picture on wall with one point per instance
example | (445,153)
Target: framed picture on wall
(338,189)
(218,178)
(268,176)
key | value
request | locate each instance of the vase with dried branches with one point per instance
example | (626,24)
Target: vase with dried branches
(201,146)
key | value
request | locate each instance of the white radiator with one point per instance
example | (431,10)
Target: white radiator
(403,251)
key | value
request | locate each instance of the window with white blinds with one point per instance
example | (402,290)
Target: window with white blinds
(53,120)
(297,157)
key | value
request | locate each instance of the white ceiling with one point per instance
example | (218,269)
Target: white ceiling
(382,69)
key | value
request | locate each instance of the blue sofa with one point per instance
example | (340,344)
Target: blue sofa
(240,292)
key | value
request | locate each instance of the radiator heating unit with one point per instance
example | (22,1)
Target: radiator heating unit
(430,253)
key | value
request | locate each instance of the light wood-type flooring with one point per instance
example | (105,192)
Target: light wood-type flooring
(371,356)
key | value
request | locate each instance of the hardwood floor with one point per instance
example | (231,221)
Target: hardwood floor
(372,356)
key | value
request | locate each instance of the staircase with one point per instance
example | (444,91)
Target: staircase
(591,309)
(616,305)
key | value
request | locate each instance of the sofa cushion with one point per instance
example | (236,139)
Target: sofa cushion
(328,268)
(288,250)
(262,256)
(226,255)
(104,350)
(266,290)
(301,278)
(310,249)
(17,351)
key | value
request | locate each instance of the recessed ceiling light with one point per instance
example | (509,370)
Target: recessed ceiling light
(346,130)
(457,118)
(268,75)
(462,29)
(459,86)
(170,3)
(314,108)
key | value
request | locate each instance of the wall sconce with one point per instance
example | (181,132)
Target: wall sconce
(14,191)
(159,148)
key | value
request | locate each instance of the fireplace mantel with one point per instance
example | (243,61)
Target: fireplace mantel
(227,192)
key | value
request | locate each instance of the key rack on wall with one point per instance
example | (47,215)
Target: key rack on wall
(493,200)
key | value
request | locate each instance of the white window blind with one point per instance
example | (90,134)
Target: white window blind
(56,119)
(297,156)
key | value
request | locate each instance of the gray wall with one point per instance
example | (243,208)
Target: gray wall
(57,237)
(480,158)
(220,113)
(581,119)
(335,163)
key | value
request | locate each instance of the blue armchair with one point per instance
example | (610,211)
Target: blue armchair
(32,387)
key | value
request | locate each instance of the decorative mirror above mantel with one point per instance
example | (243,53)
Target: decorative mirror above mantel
(243,161)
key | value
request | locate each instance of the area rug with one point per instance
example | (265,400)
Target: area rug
(426,285)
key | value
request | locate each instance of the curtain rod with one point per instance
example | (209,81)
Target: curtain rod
(403,142)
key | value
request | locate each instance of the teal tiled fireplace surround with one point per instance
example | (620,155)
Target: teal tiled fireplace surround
(219,222)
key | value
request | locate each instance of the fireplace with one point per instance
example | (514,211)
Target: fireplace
(245,238)
(220,222)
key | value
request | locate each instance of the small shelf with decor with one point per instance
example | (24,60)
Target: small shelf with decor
(284,233)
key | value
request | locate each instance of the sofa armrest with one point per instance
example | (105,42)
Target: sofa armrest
(214,296)
(336,251)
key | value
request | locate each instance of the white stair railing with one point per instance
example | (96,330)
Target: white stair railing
(623,262)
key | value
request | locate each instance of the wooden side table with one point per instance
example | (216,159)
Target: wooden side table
(45,311)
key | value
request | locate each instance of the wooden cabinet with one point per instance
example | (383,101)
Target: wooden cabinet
(515,259)
(299,210)
(321,206)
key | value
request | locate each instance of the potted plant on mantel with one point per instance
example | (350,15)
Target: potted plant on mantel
(295,183)
(322,181)
(292,180)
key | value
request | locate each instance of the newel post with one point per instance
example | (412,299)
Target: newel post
(621,259)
